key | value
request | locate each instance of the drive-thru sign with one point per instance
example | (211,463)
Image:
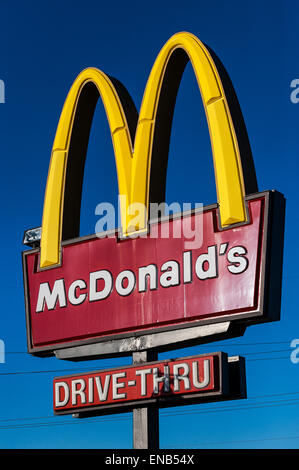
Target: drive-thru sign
(160,383)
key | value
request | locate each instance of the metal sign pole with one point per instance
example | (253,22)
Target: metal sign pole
(145,420)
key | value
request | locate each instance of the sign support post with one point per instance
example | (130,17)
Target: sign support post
(145,420)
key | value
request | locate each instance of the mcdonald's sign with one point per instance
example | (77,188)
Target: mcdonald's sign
(137,279)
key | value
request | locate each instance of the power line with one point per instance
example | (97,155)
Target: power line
(104,365)
(267,359)
(190,408)
(163,414)
(239,408)
(46,371)
(202,345)
(239,441)
(265,352)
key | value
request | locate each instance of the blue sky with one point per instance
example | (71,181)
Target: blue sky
(44,45)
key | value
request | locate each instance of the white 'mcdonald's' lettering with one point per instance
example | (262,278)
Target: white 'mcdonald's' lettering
(46,297)
(101,284)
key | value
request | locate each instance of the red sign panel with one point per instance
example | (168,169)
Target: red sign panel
(107,287)
(201,377)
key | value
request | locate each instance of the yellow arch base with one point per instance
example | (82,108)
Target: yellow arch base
(133,162)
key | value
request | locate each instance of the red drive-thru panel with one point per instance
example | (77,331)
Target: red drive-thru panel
(199,377)
(108,287)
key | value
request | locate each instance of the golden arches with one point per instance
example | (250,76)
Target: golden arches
(133,162)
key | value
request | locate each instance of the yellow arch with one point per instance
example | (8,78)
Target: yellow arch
(226,154)
(133,163)
(53,203)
